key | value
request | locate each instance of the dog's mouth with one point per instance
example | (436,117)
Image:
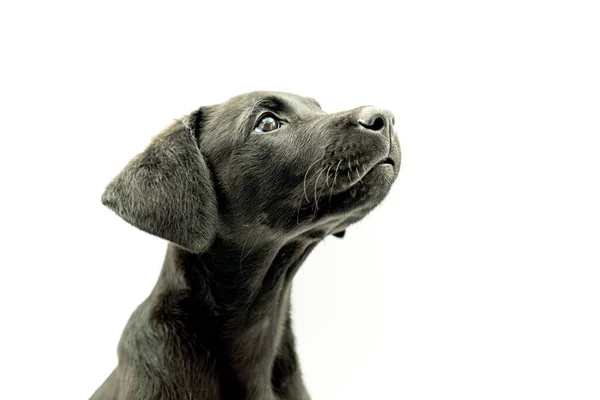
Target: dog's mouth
(344,188)
(361,182)
(387,161)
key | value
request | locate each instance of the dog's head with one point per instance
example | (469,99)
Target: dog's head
(263,163)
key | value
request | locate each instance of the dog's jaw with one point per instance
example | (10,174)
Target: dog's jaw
(349,204)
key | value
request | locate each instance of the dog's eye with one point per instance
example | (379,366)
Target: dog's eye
(267,124)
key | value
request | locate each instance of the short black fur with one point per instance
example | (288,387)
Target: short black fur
(242,211)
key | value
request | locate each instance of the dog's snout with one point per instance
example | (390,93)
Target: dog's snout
(375,119)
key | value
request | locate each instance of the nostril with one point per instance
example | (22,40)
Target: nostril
(376,125)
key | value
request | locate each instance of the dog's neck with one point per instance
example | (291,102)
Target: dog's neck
(230,280)
(234,300)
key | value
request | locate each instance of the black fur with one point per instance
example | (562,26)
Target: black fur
(243,210)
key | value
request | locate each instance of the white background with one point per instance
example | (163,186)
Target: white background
(479,276)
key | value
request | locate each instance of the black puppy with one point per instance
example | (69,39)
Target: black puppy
(244,191)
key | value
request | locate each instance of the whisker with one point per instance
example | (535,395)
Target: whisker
(326,178)
(304,181)
(257,103)
(334,180)
(327,175)
(349,170)
(358,173)
(364,172)
(316,182)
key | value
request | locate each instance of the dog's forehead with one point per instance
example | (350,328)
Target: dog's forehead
(288,100)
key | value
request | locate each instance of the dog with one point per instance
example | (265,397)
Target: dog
(243,191)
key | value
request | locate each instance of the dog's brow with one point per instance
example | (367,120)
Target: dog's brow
(271,103)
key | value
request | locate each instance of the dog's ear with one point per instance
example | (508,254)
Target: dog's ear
(167,190)
(340,234)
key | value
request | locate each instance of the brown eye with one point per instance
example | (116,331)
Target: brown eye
(267,124)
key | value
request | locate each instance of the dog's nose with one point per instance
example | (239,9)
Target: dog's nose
(375,119)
